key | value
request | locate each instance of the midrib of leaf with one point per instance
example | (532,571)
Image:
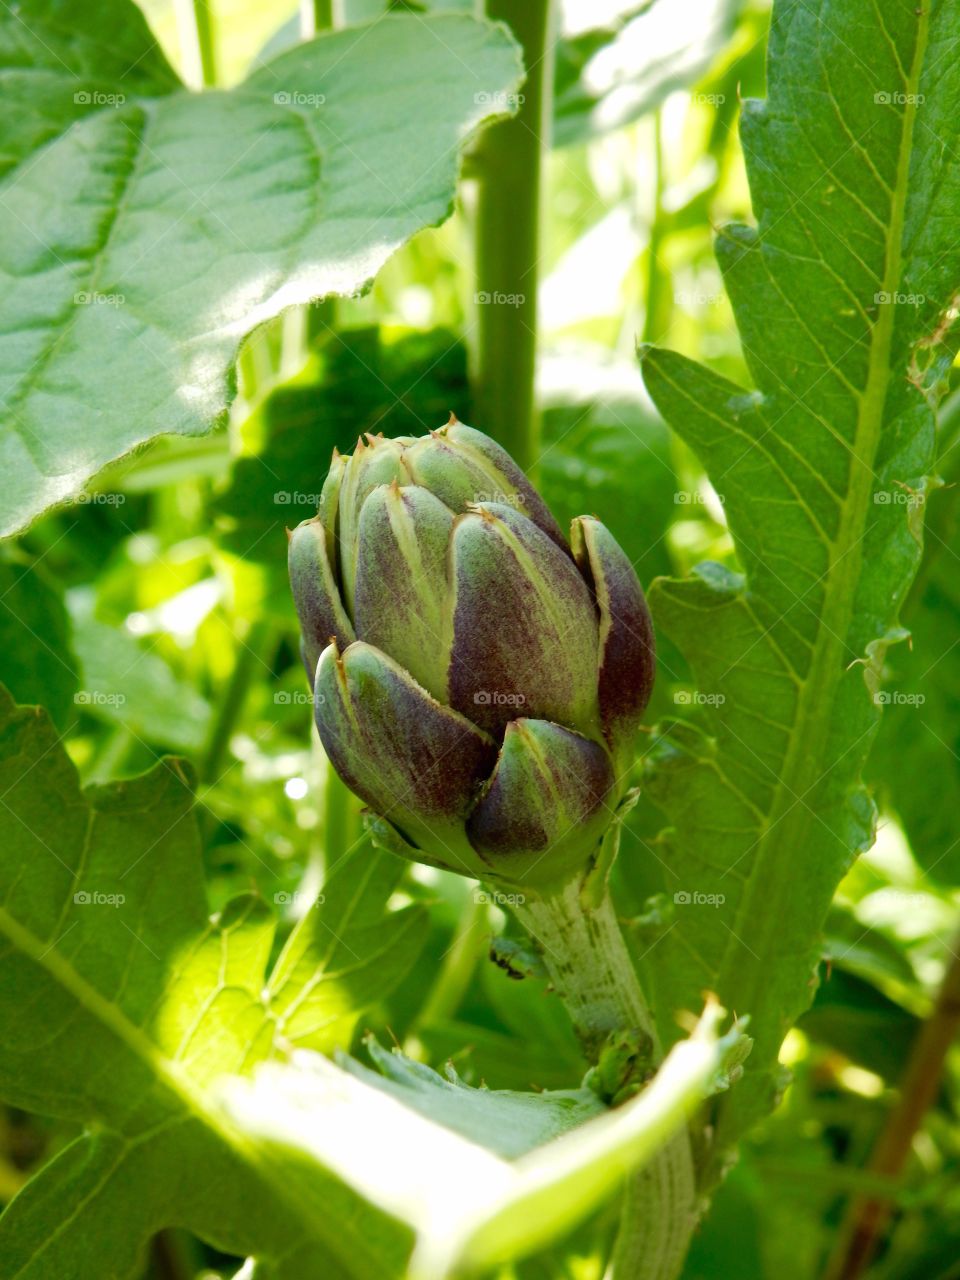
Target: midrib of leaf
(767,895)
(345,1242)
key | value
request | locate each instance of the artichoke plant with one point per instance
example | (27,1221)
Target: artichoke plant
(477,679)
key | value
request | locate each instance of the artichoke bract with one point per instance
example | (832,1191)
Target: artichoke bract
(477,679)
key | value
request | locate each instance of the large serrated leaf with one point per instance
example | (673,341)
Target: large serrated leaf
(484,1176)
(122,1004)
(144,230)
(844,296)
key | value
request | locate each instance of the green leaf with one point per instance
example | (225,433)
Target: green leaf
(37,662)
(160,226)
(431,1151)
(917,757)
(608,453)
(125,684)
(123,1002)
(504,1121)
(843,296)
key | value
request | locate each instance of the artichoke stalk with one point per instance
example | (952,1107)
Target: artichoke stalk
(478,680)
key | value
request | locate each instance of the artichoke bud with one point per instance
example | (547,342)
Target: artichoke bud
(480,680)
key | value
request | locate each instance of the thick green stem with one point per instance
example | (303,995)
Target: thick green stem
(232,699)
(589,964)
(315,15)
(196,43)
(656,319)
(509,163)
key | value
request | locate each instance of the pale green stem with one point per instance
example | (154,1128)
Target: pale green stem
(590,967)
(509,163)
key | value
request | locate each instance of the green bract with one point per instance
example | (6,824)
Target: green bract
(477,679)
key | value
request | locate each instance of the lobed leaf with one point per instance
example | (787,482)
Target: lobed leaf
(844,295)
(122,1003)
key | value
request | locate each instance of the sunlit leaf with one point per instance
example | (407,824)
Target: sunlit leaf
(146,230)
